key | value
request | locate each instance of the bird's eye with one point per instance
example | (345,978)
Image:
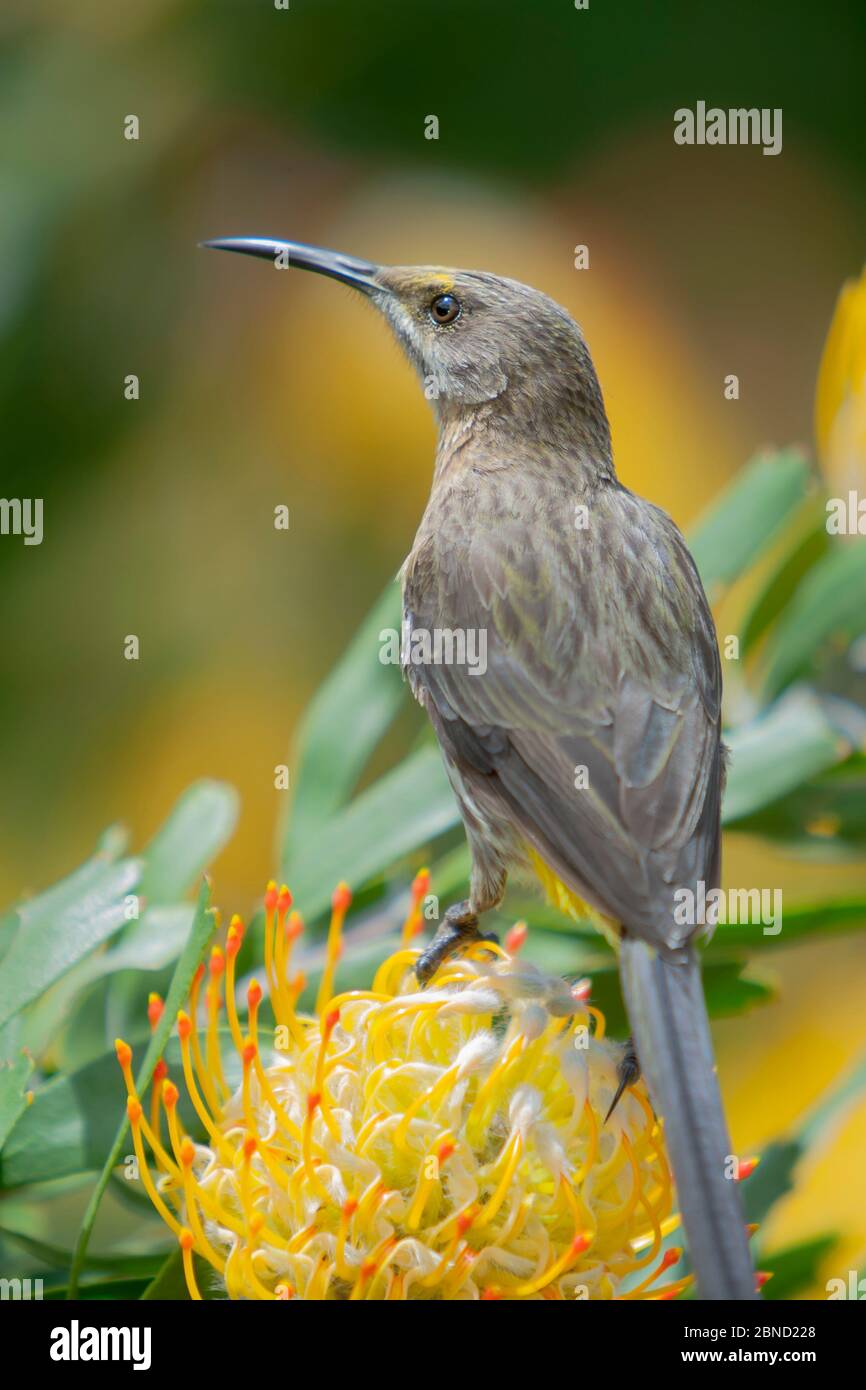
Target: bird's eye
(445,308)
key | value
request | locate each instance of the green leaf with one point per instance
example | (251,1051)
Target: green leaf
(199,825)
(130,1194)
(824,816)
(772,1179)
(111,1290)
(406,808)
(71,1124)
(730,536)
(127,1266)
(168,1283)
(73,1121)
(732,989)
(62,926)
(8,928)
(149,944)
(14,1074)
(828,608)
(342,726)
(798,924)
(807,544)
(795,1269)
(777,752)
(181,981)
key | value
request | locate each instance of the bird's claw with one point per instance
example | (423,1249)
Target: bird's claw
(454,934)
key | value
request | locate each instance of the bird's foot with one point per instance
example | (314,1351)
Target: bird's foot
(628,1073)
(458,929)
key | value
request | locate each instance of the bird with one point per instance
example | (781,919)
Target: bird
(587,747)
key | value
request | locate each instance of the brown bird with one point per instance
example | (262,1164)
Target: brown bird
(587,742)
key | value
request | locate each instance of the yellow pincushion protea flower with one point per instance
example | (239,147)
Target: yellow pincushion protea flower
(840,400)
(448,1143)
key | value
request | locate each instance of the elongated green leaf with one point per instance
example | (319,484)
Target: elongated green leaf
(732,988)
(127,1266)
(776,752)
(201,822)
(806,545)
(73,1121)
(798,923)
(62,926)
(168,1283)
(824,816)
(14,1073)
(405,809)
(199,936)
(197,828)
(112,1290)
(130,1194)
(795,1269)
(772,1179)
(150,944)
(828,608)
(69,1128)
(729,537)
(8,928)
(342,726)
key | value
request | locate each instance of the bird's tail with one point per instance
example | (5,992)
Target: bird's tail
(669,1024)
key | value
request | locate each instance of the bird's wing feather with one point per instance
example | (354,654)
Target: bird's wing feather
(601,654)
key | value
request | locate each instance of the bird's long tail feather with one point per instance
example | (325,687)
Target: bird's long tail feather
(668,1017)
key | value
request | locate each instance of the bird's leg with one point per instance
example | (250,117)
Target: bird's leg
(628,1072)
(458,929)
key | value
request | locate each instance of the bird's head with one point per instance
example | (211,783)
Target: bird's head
(474,339)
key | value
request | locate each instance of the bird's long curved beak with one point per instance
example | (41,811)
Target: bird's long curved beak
(349,269)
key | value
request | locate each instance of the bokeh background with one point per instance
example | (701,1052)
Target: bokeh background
(556,129)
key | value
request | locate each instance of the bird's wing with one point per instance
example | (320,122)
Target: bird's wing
(596,723)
